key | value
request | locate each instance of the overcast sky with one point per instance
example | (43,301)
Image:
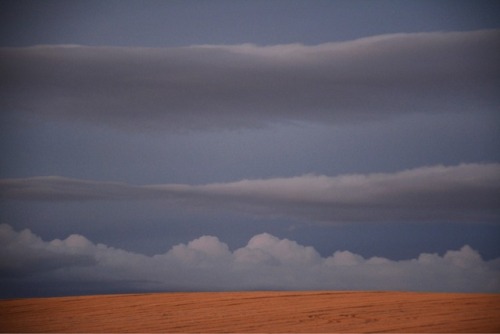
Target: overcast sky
(216,145)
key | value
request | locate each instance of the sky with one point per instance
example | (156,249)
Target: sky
(244,145)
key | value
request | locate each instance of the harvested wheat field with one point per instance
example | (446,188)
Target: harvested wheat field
(256,312)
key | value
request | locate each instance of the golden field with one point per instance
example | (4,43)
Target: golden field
(291,311)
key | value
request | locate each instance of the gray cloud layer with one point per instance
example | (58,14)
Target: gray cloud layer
(247,85)
(466,192)
(266,262)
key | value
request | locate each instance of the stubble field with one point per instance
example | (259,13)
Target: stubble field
(318,311)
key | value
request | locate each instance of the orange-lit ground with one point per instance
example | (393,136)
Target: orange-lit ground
(256,312)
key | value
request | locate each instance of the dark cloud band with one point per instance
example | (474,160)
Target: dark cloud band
(213,87)
(467,192)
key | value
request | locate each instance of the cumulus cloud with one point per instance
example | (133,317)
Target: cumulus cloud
(206,263)
(214,86)
(466,192)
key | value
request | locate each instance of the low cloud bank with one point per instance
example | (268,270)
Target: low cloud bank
(32,266)
(465,193)
(214,86)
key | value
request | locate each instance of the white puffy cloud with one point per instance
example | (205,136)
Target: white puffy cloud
(267,248)
(214,86)
(199,251)
(23,252)
(466,192)
(206,263)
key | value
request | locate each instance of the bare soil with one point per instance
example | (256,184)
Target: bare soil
(318,311)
